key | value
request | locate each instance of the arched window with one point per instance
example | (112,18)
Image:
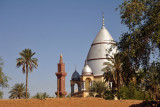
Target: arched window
(87,83)
(75,87)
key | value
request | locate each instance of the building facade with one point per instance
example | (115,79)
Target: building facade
(93,66)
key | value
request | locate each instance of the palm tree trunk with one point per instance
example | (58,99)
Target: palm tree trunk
(117,80)
(19,96)
(120,78)
(26,79)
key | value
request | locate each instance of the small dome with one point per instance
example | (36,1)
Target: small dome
(87,70)
(75,76)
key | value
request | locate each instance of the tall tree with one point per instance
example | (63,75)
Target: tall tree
(152,80)
(142,17)
(3,77)
(18,91)
(113,70)
(27,63)
(113,67)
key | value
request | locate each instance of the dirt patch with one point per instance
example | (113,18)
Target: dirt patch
(68,102)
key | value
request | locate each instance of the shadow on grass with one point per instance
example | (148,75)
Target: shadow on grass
(147,104)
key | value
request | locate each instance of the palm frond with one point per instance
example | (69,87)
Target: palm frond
(26,59)
(32,54)
(41,95)
(18,91)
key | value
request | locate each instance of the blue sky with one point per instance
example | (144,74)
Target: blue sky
(49,28)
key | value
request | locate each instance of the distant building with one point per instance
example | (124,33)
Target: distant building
(92,70)
(61,79)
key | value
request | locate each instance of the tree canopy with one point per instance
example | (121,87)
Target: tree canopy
(142,17)
(152,80)
(139,47)
(3,77)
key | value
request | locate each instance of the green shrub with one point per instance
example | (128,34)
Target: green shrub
(108,95)
(1,94)
(99,88)
(131,92)
(41,95)
(124,93)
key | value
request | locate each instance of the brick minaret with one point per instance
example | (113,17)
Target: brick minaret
(61,78)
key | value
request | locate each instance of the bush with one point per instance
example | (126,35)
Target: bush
(41,95)
(124,93)
(131,92)
(98,87)
(1,94)
(109,95)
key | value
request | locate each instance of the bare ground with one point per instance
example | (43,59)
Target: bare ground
(68,102)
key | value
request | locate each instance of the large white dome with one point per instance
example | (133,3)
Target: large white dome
(97,53)
(103,36)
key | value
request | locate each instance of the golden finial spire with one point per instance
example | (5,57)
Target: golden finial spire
(61,55)
(61,60)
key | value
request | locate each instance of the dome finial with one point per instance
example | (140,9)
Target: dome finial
(61,59)
(103,20)
(61,55)
(75,68)
(86,62)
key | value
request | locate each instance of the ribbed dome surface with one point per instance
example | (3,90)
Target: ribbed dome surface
(97,53)
(87,70)
(75,76)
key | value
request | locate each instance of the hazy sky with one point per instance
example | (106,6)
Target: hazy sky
(49,28)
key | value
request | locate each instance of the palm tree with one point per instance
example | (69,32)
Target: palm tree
(18,91)
(27,63)
(113,70)
(41,95)
(99,87)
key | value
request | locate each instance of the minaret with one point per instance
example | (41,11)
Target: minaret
(61,78)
